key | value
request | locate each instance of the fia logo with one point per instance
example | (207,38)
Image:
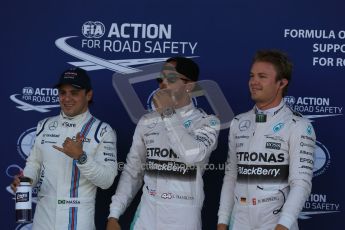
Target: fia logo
(93,29)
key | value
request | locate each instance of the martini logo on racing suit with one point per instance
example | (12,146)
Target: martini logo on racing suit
(318,204)
(39,99)
(313,107)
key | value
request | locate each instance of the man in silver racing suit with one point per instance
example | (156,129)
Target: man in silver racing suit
(73,154)
(169,150)
(270,161)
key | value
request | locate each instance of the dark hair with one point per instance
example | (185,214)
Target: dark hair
(91,100)
(186,67)
(280,61)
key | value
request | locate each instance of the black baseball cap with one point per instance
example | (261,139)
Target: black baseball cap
(76,77)
(186,66)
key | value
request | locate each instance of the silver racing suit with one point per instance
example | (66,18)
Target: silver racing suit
(269,170)
(67,189)
(169,155)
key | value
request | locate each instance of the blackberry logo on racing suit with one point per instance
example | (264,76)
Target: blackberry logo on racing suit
(262,173)
(170,168)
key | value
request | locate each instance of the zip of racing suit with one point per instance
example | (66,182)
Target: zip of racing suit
(169,154)
(269,170)
(67,189)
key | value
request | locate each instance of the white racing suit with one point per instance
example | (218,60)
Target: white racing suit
(66,189)
(269,170)
(170,156)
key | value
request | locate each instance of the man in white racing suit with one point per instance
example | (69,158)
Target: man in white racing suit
(169,151)
(270,160)
(73,154)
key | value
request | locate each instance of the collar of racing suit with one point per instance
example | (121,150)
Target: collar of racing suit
(77,118)
(185,110)
(270,112)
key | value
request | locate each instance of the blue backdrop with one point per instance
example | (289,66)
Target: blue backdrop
(114,40)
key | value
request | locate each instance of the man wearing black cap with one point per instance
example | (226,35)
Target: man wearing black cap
(169,151)
(74,153)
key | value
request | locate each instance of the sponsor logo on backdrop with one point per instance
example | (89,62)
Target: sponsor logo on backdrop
(36,99)
(156,41)
(327,46)
(25,142)
(314,107)
(24,227)
(318,204)
(119,38)
(24,146)
(322,159)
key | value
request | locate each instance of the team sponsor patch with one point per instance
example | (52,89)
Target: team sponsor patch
(273,145)
(262,173)
(170,168)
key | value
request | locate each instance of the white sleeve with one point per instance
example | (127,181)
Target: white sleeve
(132,176)
(34,161)
(227,194)
(301,152)
(193,146)
(101,168)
